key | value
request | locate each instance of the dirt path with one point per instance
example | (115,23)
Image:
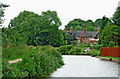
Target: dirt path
(15,61)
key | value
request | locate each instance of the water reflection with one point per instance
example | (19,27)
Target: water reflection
(86,66)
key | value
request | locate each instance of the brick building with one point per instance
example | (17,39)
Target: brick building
(84,36)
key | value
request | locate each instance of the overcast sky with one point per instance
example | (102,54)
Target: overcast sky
(67,9)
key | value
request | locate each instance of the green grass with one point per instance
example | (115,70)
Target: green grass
(13,53)
(116,58)
(38,61)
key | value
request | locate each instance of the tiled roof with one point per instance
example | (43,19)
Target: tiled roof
(90,34)
(78,33)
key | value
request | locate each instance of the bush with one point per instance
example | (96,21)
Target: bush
(82,44)
(111,44)
(87,45)
(64,49)
(9,70)
(95,47)
(73,43)
(75,51)
(95,53)
(39,62)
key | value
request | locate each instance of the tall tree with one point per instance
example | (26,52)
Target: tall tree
(34,29)
(103,23)
(116,17)
(111,33)
(2,6)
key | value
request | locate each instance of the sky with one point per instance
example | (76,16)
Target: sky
(67,9)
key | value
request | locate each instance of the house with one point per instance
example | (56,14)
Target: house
(84,36)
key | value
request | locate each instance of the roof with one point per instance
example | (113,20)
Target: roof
(74,33)
(90,34)
(78,33)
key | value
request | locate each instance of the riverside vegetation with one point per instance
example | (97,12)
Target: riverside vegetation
(38,61)
(37,40)
(79,49)
(21,40)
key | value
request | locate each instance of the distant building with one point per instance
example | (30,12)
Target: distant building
(84,36)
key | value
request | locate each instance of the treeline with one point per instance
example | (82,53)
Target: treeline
(78,25)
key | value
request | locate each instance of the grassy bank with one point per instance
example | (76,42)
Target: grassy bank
(116,58)
(38,61)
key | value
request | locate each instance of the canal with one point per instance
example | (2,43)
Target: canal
(86,66)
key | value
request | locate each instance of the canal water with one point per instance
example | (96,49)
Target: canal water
(86,66)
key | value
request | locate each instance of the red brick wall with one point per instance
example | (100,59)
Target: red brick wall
(110,51)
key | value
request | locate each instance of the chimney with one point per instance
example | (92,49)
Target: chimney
(84,29)
(64,28)
(71,29)
(98,29)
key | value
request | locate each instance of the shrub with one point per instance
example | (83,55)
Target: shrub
(95,47)
(111,44)
(39,62)
(87,45)
(73,43)
(75,51)
(64,49)
(82,44)
(95,52)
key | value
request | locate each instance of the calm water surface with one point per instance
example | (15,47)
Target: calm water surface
(86,66)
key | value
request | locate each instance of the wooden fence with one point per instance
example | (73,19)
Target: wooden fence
(110,51)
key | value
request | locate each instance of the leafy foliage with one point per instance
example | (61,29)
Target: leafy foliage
(78,25)
(95,53)
(116,17)
(75,51)
(97,47)
(36,62)
(67,38)
(65,49)
(91,28)
(34,29)
(2,6)
(111,33)
(103,23)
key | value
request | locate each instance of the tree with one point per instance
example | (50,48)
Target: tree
(2,6)
(103,23)
(34,29)
(67,38)
(116,17)
(78,24)
(97,22)
(78,28)
(110,34)
(91,28)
